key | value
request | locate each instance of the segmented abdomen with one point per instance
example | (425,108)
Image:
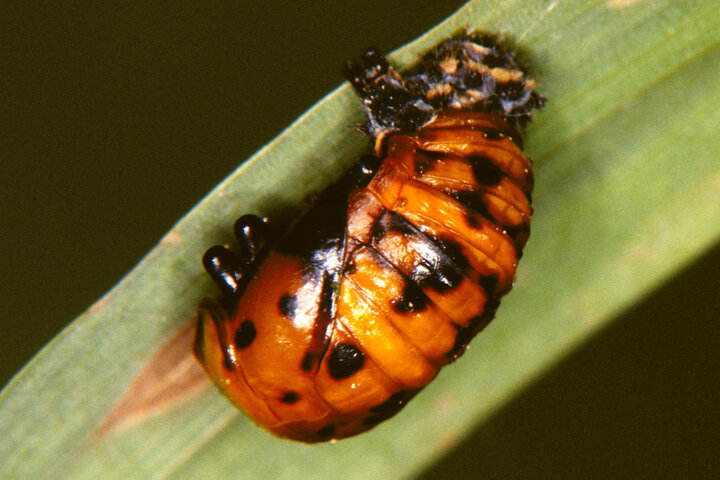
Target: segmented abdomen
(329,346)
(446,218)
(432,244)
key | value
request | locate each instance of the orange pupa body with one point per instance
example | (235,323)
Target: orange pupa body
(335,326)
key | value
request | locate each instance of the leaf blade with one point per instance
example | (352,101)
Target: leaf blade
(570,141)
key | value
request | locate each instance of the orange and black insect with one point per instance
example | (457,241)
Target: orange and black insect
(335,326)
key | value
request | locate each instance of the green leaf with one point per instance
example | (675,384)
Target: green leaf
(627,165)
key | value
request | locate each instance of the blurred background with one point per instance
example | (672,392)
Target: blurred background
(117,119)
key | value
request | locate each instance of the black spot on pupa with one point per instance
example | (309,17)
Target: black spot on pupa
(389,407)
(442,278)
(463,337)
(489,283)
(519,235)
(486,172)
(472,218)
(287,305)
(344,360)
(437,269)
(491,307)
(454,251)
(465,334)
(475,201)
(326,432)
(412,300)
(290,398)
(245,334)
(394,403)
(478,209)
(308,362)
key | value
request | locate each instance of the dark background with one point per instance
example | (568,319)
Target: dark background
(117,119)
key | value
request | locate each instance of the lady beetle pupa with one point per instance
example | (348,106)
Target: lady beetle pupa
(332,328)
